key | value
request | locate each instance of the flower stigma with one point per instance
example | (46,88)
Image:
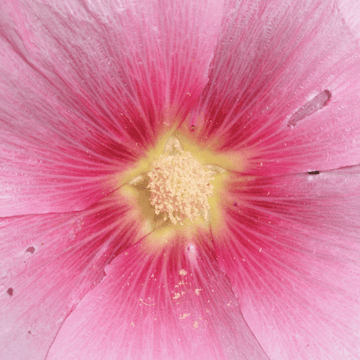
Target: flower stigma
(180,185)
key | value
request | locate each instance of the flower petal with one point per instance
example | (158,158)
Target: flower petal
(48,263)
(85,87)
(284,88)
(350,9)
(291,249)
(170,303)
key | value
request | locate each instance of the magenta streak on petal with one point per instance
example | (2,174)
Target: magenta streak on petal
(315,104)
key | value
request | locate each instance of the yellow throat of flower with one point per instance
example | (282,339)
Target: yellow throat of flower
(180,185)
(177,188)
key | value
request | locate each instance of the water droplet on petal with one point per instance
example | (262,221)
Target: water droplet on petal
(315,104)
(10,291)
(30,249)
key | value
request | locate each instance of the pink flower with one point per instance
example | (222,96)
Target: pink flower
(88,88)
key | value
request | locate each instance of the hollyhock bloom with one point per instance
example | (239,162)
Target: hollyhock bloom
(179,180)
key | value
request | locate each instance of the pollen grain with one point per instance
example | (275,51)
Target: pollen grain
(180,187)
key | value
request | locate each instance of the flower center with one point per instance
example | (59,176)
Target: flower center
(177,187)
(180,186)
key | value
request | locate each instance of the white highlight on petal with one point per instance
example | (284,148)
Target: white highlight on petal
(173,146)
(137,180)
(214,169)
(191,253)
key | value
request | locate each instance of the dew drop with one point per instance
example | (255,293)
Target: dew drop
(192,128)
(315,104)
(30,249)
(10,291)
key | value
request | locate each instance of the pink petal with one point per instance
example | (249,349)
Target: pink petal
(48,263)
(291,249)
(85,87)
(170,303)
(350,10)
(284,88)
